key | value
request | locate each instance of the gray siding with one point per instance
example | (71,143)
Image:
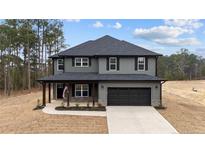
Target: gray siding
(55,67)
(127,66)
(103,86)
(70,68)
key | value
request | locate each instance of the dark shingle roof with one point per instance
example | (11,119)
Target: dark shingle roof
(106,46)
(78,76)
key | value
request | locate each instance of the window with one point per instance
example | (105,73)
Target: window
(60,65)
(141,63)
(113,63)
(81,62)
(81,90)
(60,85)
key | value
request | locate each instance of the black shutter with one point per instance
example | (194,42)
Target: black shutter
(118,63)
(53,66)
(73,61)
(107,63)
(64,64)
(89,61)
(90,89)
(136,63)
(146,63)
(73,90)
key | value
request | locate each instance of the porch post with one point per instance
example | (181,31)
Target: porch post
(160,94)
(68,96)
(93,94)
(49,92)
(44,94)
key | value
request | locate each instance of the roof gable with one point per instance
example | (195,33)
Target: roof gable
(106,46)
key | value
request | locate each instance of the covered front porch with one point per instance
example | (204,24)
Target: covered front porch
(82,93)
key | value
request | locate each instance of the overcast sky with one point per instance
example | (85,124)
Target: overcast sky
(163,36)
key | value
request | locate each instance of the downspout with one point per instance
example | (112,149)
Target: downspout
(162,82)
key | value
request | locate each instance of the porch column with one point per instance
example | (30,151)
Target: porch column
(93,94)
(49,93)
(68,96)
(44,94)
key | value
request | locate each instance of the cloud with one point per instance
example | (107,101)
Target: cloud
(167,35)
(160,32)
(98,24)
(72,20)
(117,25)
(186,23)
(178,41)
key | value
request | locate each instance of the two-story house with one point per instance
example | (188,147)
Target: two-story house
(108,71)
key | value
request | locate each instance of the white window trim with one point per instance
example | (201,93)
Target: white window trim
(113,64)
(141,64)
(59,64)
(81,61)
(81,90)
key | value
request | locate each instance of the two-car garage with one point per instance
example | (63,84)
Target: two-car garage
(129,93)
(129,96)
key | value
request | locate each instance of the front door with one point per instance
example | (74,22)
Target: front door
(60,88)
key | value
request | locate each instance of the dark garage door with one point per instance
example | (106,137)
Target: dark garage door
(129,96)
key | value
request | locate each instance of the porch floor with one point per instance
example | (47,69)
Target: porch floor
(50,109)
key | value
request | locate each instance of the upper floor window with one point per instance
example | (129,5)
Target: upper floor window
(81,62)
(141,63)
(113,63)
(60,65)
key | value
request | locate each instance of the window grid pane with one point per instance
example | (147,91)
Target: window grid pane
(77,93)
(112,67)
(84,87)
(78,87)
(85,93)
(141,67)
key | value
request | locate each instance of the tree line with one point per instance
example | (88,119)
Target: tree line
(181,66)
(25,45)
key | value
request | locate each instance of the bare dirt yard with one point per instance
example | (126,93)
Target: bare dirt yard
(185,107)
(185,111)
(17,116)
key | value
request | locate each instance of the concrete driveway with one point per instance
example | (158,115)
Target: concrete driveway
(137,119)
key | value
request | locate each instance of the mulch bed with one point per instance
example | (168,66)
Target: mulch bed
(80,108)
(160,107)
